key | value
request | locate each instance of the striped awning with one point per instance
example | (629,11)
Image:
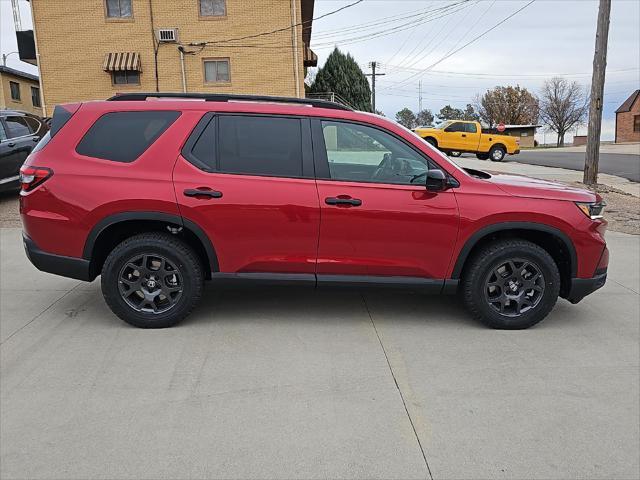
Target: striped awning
(119,61)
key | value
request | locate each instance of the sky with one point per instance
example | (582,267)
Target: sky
(547,38)
(406,37)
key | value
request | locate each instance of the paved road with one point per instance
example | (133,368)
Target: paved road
(626,166)
(292,383)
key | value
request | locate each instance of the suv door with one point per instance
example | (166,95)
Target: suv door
(247,180)
(377,216)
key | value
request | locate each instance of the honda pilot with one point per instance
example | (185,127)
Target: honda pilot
(158,193)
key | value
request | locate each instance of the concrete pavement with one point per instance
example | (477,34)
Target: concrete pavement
(291,383)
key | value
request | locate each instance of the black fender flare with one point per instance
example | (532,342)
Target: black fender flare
(106,222)
(505,226)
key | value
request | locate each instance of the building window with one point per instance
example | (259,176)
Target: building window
(126,77)
(217,71)
(15,91)
(636,123)
(35,97)
(119,9)
(212,8)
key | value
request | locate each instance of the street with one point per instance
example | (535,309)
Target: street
(621,165)
(294,383)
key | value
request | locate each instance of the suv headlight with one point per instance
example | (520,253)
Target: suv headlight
(593,210)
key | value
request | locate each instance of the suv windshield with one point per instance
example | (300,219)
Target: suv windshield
(443,125)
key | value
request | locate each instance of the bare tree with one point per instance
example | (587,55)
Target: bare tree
(510,105)
(563,105)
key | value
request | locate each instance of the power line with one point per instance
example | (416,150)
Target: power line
(278,30)
(473,40)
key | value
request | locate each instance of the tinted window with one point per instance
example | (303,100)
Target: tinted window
(455,127)
(34,125)
(3,135)
(471,127)
(200,148)
(260,145)
(17,127)
(124,136)
(364,154)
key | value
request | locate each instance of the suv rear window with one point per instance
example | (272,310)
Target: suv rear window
(124,136)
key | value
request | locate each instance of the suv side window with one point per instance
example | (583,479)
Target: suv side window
(471,127)
(124,136)
(359,153)
(3,135)
(17,127)
(259,145)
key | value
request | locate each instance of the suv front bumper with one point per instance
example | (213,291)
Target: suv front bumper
(71,267)
(581,287)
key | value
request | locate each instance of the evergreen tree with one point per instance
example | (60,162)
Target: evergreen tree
(407,118)
(341,75)
(424,117)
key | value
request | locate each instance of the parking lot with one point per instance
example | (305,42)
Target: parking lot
(294,383)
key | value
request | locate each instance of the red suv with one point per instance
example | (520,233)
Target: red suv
(159,192)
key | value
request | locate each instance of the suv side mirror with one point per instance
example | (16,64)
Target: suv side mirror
(436,180)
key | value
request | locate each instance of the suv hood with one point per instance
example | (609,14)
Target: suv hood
(521,186)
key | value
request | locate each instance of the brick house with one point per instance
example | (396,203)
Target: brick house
(19,91)
(628,119)
(93,49)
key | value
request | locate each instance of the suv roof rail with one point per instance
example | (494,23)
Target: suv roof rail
(217,97)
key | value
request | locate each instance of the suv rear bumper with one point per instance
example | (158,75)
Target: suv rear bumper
(581,287)
(71,267)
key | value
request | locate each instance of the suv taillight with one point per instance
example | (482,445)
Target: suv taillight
(31,177)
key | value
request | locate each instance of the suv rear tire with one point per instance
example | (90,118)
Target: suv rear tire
(152,280)
(511,284)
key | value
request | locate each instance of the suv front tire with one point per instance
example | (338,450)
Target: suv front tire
(152,280)
(511,284)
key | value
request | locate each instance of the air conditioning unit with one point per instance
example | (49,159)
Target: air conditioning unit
(167,35)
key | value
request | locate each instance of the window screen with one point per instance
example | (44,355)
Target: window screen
(124,136)
(260,145)
(212,8)
(216,71)
(15,90)
(35,97)
(119,9)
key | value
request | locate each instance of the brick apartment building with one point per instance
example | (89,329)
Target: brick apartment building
(19,91)
(628,119)
(92,49)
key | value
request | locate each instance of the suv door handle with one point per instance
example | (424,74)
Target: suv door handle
(354,202)
(464,134)
(12,144)
(196,192)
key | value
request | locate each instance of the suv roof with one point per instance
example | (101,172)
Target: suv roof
(214,97)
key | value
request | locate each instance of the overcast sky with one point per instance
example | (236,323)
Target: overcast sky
(549,37)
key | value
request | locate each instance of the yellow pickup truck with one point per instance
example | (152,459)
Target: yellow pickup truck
(453,136)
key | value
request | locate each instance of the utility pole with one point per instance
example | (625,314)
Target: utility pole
(597,90)
(373,76)
(419,96)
